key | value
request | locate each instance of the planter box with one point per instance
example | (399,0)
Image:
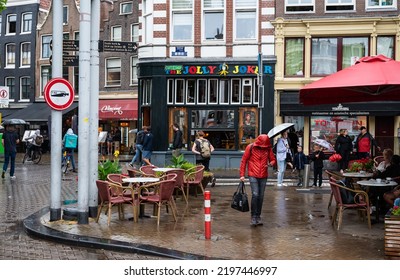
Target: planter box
(392,237)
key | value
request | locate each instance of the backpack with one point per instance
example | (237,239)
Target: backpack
(205,148)
(140,137)
(39,140)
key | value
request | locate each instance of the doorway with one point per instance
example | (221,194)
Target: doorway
(384,131)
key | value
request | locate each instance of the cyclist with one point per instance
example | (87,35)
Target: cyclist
(33,143)
(66,148)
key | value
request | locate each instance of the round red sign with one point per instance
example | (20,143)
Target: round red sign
(59,94)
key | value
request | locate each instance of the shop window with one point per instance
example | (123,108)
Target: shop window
(247,91)
(170,93)
(385,46)
(235,91)
(146,88)
(294,57)
(201,91)
(190,91)
(179,91)
(177,116)
(224,91)
(248,126)
(213,91)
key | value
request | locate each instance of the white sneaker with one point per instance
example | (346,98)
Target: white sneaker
(13,177)
(279,185)
(284,185)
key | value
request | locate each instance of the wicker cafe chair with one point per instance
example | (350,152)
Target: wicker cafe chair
(163,195)
(111,194)
(117,179)
(180,181)
(193,178)
(148,170)
(335,178)
(361,203)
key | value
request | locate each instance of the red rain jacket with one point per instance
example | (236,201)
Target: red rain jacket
(256,158)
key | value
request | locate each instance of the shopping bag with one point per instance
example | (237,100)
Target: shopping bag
(240,200)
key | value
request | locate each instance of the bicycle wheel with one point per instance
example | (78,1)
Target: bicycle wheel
(66,165)
(36,156)
(25,158)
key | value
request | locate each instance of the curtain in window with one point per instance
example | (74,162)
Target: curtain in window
(294,63)
(182,4)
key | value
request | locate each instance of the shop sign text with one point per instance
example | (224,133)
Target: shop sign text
(221,70)
(112,109)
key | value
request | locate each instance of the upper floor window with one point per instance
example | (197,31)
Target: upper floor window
(340,5)
(25,54)
(10,54)
(134,77)
(11,24)
(65,15)
(381,4)
(10,83)
(45,77)
(135,33)
(46,46)
(299,6)
(26,23)
(213,19)
(245,19)
(25,85)
(385,46)
(294,58)
(182,20)
(116,33)
(113,72)
(126,8)
(147,21)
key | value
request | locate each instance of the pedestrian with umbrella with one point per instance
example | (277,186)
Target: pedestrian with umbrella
(10,141)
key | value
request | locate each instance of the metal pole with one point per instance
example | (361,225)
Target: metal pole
(83,118)
(56,116)
(94,107)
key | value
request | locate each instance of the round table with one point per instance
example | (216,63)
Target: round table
(140,180)
(164,169)
(357,175)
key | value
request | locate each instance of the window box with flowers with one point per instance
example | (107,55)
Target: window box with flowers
(392,234)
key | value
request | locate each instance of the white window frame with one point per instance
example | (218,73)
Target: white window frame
(231,90)
(8,24)
(182,81)
(11,93)
(243,9)
(247,83)
(26,22)
(20,88)
(124,4)
(135,32)
(300,4)
(44,79)
(187,91)
(107,71)
(10,58)
(147,9)
(115,37)
(146,91)
(134,74)
(186,8)
(381,5)
(209,91)
(225,82)
(339,3)
(23,54)
(66,11)
(211,10)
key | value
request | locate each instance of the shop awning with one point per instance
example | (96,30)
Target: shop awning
(37,112)
(290,106)
(118,109)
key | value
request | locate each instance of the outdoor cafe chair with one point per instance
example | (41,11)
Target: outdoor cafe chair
(180,184)
(336,177)
(117,179)
(360,203)
(148,169)
(194,178)
(163,195)
(137,173)
(111,194)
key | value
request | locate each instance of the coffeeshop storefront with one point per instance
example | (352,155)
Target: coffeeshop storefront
(324,121)
(220,98)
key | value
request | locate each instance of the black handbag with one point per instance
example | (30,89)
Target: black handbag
(240,200)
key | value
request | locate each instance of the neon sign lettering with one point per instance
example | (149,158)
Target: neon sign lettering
(114,110)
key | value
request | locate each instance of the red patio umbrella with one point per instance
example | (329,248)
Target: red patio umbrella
(372,78)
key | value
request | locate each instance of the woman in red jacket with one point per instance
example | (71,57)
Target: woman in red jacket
(257,157)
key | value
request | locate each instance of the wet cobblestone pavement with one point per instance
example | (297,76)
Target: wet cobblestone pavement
(297,226)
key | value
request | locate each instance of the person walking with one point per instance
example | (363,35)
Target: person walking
(139,148)
(177,142)
(117,139)
(256,159)
(364,143)
(147,145)
(202,148)
(10,141)
(109,141)
(299,160)
(69,133)
(318,157)
(344,147)
(33,143)
(282,149)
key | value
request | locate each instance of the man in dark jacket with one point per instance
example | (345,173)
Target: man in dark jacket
(364,143)
(177,142)
(256,158)
(10,141)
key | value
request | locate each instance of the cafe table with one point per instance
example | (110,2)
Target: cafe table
(138,184)
(352,176)
(164,169)
(379,187)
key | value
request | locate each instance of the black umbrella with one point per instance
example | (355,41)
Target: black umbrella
(13,122)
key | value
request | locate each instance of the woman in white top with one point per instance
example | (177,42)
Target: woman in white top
(387,157)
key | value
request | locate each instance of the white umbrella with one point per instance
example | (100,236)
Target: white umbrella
(133,130)
(323,143)
(279,128)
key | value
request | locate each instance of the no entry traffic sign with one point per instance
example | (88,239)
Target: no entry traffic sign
(59,94)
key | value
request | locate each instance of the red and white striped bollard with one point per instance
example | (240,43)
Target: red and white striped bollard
(207,215)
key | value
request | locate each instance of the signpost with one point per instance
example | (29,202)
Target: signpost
(117,46)
(70,60)
(59,94)
(4,97)
(70,45)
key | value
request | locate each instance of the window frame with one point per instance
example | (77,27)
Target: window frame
(135,35)
(380,6)
(26,22)
(183,10)
(299,4)
(134,73)
(198,96)
(239,9)
(45,47)
(124,4)
(147,25)
(216,88)
(232,88)
(22,53)
(223,83)
(393,47)
(9,24)
(338,5)
(213,10)
(23,86)
(108,82)
(182,87)
(246,82)
(113,33)
(11,87)
(10,59)
(286,60)
(65,15)
(194,81)
(44,80)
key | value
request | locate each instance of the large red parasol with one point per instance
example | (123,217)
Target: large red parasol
(372,78)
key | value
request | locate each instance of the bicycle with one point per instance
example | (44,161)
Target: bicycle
(66,161)
(36,154)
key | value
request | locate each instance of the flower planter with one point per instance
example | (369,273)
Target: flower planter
(392,237)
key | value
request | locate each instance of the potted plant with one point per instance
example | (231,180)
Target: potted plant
(392,233)
(106,167)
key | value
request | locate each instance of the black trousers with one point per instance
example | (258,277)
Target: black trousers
(318,175)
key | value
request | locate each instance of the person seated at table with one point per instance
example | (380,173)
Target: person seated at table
(387,157)
(391,196)
(393,170)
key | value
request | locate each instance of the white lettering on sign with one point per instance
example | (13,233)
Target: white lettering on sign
(114,110)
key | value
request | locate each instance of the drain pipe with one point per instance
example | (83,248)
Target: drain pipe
(207,215)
